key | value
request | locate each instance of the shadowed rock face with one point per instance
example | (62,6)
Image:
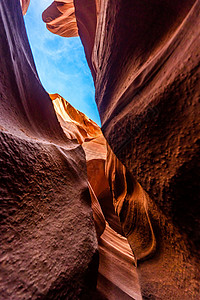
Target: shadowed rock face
(145,62)
(48,239)
(146,57)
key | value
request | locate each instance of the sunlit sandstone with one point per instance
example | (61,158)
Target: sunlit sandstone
(117,276)
(144,58)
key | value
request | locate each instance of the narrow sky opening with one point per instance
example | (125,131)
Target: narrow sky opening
(60,62)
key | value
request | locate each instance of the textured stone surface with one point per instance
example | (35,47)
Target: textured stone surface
(146,57)
(48,239)
(145,62)
(47,233)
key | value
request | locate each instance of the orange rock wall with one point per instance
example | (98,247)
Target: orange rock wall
(117,275)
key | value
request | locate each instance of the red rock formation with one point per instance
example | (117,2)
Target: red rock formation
(77,125)
(117,278)
(60,18)
(86,16)
(146,57)
(24,5)
(48,238)
(145,62)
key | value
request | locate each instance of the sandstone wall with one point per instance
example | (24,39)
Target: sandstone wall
(48,239)
(144,59)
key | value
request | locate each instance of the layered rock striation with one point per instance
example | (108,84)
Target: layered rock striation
(56,205)
(60,18)
(144,57)
(142,184)
(117,276)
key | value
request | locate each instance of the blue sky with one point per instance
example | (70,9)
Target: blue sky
(60,62)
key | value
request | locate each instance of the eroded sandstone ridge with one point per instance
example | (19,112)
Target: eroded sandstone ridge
(144,57)
(60,18)
(117,276)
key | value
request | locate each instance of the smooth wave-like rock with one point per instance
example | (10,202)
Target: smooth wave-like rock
(131,205)
(60,18)
(48,240)
(117,275)
(117,278)
(77,125)
(144,58)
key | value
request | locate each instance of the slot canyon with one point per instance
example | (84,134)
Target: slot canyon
(112,212)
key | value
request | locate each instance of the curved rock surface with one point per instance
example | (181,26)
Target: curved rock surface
(144,57)
(48,239)
(77,125)
(60,18)
(131,205)
(117,276)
